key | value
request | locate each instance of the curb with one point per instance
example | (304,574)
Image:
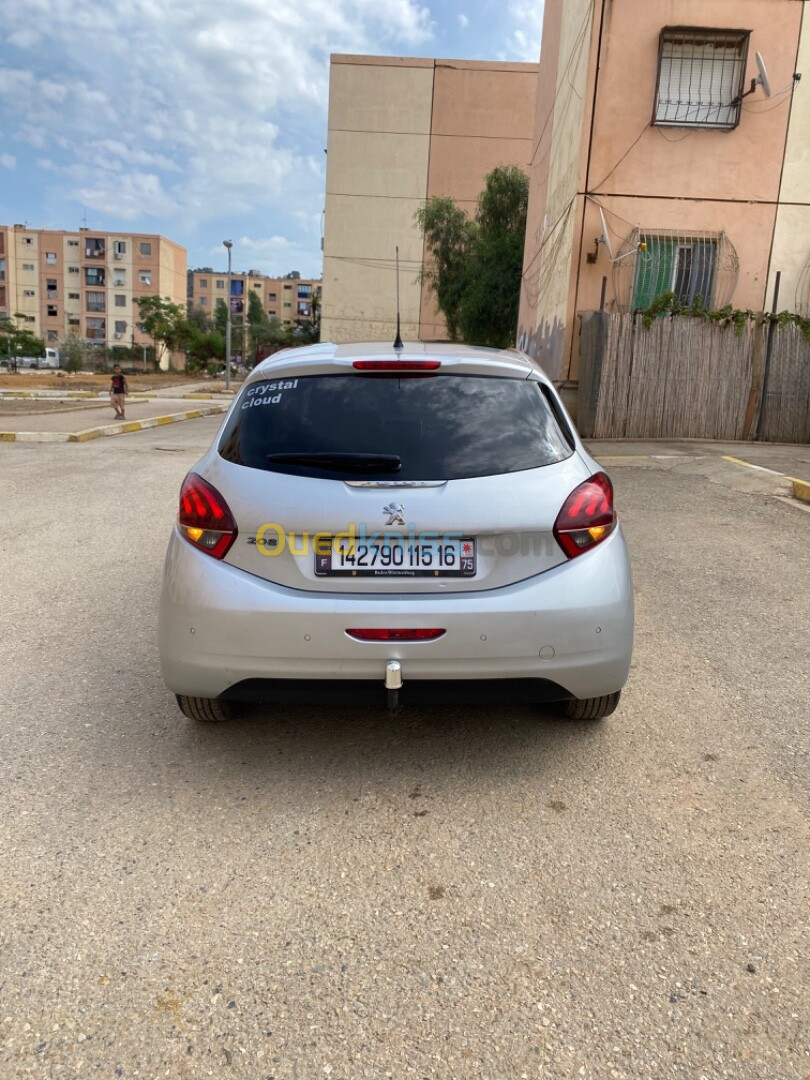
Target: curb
(801,488)
(110,429)
(209,397)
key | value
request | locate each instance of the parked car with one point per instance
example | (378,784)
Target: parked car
(401,525)
(50,361)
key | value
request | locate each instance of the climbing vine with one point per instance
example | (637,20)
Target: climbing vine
(668,304)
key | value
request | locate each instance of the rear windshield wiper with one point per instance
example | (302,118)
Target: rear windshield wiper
(340,462)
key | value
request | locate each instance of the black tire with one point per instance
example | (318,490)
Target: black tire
(595,708)
(204,710)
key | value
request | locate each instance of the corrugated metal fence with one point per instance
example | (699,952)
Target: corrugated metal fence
(690,378)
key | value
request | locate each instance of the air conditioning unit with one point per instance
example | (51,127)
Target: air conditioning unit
(117,255)
(117,335)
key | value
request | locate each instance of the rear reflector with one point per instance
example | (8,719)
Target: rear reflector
(204,518)
(587,517)
(396,365)
(395,635)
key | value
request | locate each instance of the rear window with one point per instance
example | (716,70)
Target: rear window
(444,427)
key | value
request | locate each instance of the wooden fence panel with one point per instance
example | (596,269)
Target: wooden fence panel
(681,378)
(786,402)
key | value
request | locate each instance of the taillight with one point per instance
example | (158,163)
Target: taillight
(419,634)
(587,517)
(204,518)
(396,365)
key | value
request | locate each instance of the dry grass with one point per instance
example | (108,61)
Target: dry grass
(44,380)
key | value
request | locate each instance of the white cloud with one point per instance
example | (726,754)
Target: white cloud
(191,110)
(463,20)
(267,254)
(526,19)
(270,243)
(128,196)
(8,161)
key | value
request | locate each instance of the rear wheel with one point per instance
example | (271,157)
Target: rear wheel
(596,708)
(204,710)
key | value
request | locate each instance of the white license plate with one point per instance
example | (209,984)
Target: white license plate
(397,557)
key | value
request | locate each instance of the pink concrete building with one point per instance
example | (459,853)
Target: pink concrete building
(403,129)
(659,164)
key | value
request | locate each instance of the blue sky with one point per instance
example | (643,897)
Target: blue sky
(204,120)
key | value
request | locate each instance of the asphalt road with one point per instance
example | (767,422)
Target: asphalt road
(458,893)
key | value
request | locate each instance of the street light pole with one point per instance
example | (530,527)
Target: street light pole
(228,244)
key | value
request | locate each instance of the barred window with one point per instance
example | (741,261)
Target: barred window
(688,264)
(700,77)
(683,266)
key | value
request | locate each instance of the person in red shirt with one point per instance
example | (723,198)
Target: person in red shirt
(118,391)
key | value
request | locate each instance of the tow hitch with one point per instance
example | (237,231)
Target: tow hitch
(393,682)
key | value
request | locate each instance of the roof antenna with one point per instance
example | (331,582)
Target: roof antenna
(398,339)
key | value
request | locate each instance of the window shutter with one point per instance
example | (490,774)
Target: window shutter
(653,271)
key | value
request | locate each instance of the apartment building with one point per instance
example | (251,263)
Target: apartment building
(293,301)
(671,154)
(401,130)
(86,282)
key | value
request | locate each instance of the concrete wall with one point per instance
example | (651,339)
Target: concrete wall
(400,131)
(376,178)
(791,242)
(555,180)
(646,177)
(483,116)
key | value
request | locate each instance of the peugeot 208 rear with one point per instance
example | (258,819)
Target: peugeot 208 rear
(396,525)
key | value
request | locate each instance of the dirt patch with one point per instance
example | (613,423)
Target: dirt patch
(36,406)
(45,380)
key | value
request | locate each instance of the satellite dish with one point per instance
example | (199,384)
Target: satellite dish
(605,237)
(762,78)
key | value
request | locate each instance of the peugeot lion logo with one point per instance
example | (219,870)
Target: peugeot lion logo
(396,513)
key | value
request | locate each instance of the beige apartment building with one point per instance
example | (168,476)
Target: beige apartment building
(293,301)
(86,282)
(671,153)
(400,131)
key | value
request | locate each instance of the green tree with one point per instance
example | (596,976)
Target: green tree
(200,319)
(165,322)
(74,352)
(220,316)
(476,266)
(15,340)
(448,234)
(203,349)
(265,329)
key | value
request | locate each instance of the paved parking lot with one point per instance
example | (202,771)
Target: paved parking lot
(79,417)
(454,893)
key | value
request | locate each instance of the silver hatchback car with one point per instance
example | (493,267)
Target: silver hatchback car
(397,526)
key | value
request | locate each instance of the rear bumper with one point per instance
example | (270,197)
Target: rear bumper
(220,626)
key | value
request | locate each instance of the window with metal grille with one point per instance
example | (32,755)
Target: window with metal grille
(677,264)
(700,77)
